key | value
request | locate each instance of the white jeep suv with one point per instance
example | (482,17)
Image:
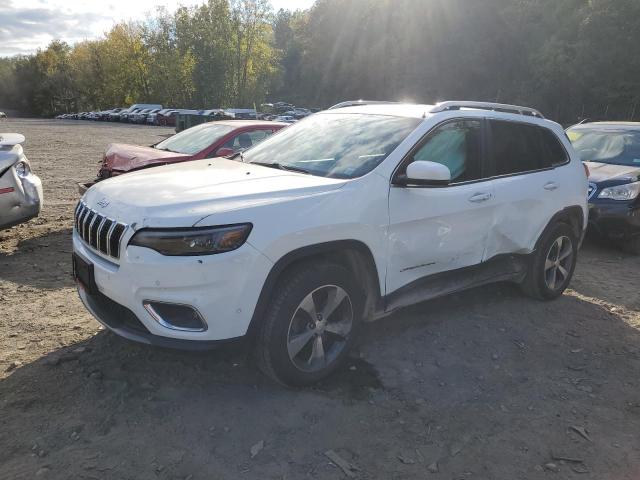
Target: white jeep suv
(343,217)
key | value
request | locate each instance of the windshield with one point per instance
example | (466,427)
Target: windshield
(195,139)
(334,145)
(619,147)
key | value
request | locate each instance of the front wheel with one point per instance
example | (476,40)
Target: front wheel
(553,263)
(310,324)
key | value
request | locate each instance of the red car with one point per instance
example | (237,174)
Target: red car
(208,140)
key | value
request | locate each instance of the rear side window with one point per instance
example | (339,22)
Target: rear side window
(519,147)
(555,150)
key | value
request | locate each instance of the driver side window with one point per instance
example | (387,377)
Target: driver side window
(457,146)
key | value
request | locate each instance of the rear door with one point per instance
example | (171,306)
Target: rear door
(440,228)
(526,162)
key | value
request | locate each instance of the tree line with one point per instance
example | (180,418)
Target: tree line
(572,59)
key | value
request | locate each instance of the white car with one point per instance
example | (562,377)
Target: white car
(20,190)
(343,217)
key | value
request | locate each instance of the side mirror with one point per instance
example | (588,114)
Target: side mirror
(427,173)
(225,152)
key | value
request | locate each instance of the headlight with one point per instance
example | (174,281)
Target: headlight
(193,241)
(22,169)
(628,191)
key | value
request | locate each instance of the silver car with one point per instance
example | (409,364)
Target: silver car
(20,189)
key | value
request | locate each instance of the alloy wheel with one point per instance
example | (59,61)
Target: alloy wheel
(557,266)
(320,328)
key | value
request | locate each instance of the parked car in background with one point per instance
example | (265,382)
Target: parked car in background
(20,190)
(140,116)
(169,119)
(105,115)
(611,151)
(241,113)
(116,116)
(190,118)
(208,140)
(125,116)
(285,119)
(300,113)
(343,217)
(155,117)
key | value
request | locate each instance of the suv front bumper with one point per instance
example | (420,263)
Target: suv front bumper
(617,221)
(223,288)
(124,322)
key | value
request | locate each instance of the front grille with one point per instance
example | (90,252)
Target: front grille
(102,233)
(592,189)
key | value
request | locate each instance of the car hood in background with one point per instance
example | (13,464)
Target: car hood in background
(124,158)
(602,172)
(181,195)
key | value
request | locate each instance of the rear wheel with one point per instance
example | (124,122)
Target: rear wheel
(310,324)
(553,263)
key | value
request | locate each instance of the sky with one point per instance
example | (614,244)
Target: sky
(26,25)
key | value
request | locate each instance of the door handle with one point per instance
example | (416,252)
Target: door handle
(480,197)
(551,186)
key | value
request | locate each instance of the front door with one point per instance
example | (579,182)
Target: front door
(440,228)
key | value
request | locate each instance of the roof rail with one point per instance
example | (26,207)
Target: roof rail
(355,103)
(498,107)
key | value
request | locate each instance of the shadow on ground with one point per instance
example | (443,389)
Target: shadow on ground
(607,273)
(43,261)
(485,383)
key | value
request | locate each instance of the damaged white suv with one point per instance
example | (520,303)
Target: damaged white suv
(343,217)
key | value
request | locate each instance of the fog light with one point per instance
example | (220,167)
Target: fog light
(176,316)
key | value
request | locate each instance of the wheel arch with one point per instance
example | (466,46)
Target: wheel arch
(573,216)
(353,254)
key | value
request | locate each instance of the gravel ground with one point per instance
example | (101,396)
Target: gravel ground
(485,384)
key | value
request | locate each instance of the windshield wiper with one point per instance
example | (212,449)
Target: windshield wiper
(280,166)
(236,155)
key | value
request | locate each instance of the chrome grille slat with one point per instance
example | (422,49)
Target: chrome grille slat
(104,219)
(98,231)
(85,224)
(93,221)
(113,226)
(83,212)
(76,214)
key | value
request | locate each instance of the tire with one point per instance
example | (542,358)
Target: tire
(545,281)
(288,325)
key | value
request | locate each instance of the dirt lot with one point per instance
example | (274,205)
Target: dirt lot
(482,385)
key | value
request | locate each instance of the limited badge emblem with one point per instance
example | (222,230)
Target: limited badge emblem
(103,203)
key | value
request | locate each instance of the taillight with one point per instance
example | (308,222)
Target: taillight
(586,169)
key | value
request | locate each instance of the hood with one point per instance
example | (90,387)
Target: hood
(10,149)
(602,172)
(181,195)
(124,158)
